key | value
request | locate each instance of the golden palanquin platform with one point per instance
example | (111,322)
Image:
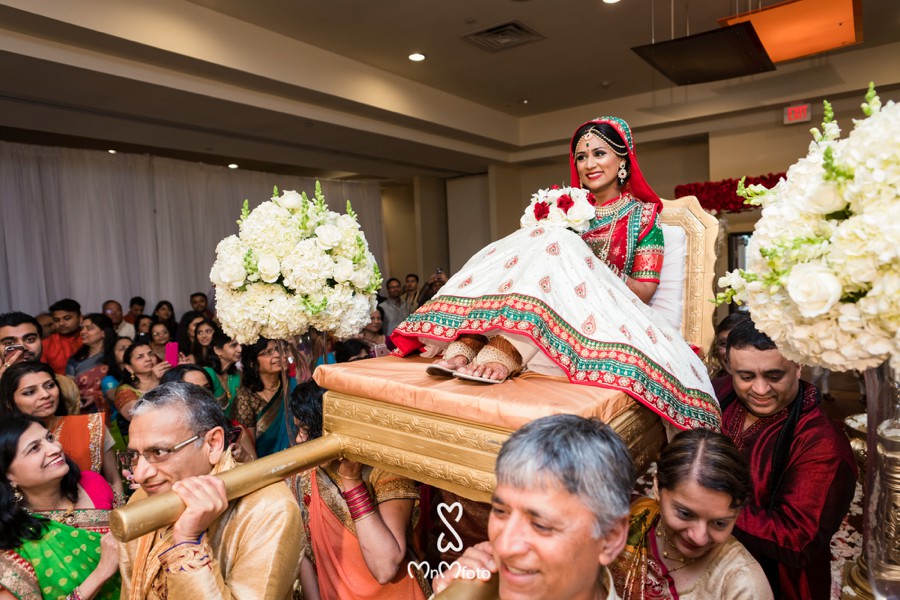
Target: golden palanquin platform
(446,432)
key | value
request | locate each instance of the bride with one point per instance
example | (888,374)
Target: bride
(549,300)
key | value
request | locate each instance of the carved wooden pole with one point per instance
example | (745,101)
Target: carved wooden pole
(134,520)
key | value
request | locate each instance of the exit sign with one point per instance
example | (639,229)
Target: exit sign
(798,113)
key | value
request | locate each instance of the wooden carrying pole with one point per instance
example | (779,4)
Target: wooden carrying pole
(134,520)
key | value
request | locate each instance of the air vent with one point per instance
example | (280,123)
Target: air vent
(503,37)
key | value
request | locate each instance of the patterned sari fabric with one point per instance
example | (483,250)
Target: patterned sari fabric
(334,547)
(626,236)
(54,565)
(267,417)
(82,440)
(640,574)
(544,286)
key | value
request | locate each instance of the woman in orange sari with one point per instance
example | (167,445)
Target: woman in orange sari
(31,388)
(358,521)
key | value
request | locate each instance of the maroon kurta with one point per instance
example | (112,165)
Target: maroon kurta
(795,527)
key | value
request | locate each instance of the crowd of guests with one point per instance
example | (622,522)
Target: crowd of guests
(745,513)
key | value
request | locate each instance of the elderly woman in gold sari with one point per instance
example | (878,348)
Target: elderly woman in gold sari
(54,540)
(681,542)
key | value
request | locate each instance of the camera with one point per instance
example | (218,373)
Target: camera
(13,348)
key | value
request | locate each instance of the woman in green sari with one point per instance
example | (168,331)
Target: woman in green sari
(54,540)
(223,370)
(259,405)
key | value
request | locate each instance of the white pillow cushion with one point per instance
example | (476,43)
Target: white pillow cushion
(668,300)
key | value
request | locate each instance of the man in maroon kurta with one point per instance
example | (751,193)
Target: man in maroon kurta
(803,470)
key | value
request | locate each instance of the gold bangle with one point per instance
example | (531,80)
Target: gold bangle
(364,516)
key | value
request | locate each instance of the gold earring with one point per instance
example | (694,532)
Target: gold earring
(622,172)
(17,495)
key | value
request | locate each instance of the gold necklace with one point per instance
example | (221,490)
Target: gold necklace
(610,208)
(68,517)
(705,572)
(684,560)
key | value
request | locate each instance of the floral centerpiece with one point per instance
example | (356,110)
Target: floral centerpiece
(294,265)
(564,206)
(823,264)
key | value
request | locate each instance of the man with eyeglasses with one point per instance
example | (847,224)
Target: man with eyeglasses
(248,548)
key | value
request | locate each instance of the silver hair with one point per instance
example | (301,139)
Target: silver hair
(200,410)
(583,456)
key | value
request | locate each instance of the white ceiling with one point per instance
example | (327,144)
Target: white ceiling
(70,76)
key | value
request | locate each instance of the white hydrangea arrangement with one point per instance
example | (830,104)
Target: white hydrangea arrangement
(294,265)
(823,264)
(564,206)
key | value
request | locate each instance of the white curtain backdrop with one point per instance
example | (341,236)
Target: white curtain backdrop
(91,225)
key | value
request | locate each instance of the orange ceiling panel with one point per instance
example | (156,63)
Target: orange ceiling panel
(798,28)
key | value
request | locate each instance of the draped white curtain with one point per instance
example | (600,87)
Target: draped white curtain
(91,226)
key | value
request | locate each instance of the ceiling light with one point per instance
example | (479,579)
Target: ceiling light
(524,101)
(416,57)
(610,1)
(233,166)
(111,151)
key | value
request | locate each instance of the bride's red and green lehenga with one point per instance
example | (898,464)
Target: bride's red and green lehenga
(548,288)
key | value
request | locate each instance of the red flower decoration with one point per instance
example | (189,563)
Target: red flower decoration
(592,200)
(541,210)
(721,196)
(565,202)
(554,187)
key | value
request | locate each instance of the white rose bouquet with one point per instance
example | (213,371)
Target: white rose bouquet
(565,206)
(823,264)
(294,265)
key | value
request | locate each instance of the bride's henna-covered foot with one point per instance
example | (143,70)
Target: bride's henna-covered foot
(490,370)
(457,362)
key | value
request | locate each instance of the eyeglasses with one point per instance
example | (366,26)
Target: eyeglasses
(160,333)
(128,458)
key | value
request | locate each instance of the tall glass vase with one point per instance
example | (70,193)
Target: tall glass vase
(882,526)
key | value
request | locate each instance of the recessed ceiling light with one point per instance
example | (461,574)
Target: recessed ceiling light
(524,101)
(610,1)
(416,57)
(111,151)
(233,166)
